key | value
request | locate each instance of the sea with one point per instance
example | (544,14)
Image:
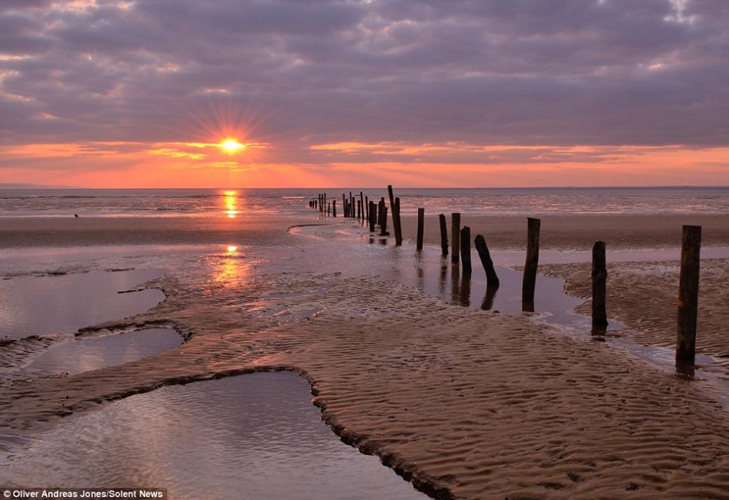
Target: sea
(232,202)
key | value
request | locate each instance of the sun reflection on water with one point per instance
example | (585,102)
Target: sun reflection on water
(230,268)
(230,204)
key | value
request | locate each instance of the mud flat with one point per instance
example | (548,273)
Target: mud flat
(464,402)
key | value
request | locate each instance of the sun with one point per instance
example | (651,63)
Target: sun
(231,146)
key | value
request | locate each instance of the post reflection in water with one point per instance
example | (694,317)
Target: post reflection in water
(488,299)
(443,277)
(230,204)
(455,284)
(466,290)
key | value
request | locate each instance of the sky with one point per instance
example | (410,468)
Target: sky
(330,93)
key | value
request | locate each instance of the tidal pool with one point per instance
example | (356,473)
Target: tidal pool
(84,354)
(43,305)
(253,436)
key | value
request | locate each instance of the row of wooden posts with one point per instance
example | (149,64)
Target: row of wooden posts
(375,214)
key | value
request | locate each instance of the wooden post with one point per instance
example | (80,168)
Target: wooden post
(380,211)
(688,295)
(492,280)
(395,205)
(599,286)
(359,210)
(396,225)
(383,225)
(421,228)
(325,201)
(532,261)
(334,208)
(443,234)
(367,209)
(344,206)
(329,208)
(372,213)
(362,204)
(466,250)
(455,234)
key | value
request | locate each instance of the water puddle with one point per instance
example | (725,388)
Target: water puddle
(80,354)
(61,304)
(251,436)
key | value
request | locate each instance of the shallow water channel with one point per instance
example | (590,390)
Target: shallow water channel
(253,436)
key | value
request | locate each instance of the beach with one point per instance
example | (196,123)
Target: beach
(465,403)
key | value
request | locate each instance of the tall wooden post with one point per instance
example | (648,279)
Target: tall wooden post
(532,261)
(373,216)
(397,226)
(492,280)
(421,228)
(362,204)
(325,200)
(367,208)
(599,286)
(688,295)
(443,234)
(334,208)
(381,220)
(395,206)
(455,234)
(466,250)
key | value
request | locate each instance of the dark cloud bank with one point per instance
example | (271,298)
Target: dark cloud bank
(521,72)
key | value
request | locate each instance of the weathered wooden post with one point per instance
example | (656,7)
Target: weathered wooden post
(397,225)
(325,200)
(383,225)
(359,210)
(380,211)
(362,204)
(532,261)
(373,216)
(443,234)
(688,295)
(329,208)
(344,206)
(466,250)
(599,286)
(492,280)
(334,208)
(395,205)
(421,228)
(367,209)
(455,234)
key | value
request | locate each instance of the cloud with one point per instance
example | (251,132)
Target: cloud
(294,74)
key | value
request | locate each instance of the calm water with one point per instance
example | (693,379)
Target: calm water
(255,436)
(269,202)
(63,304)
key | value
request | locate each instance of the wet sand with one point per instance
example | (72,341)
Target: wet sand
(560,232)
(581,232)
(468,403)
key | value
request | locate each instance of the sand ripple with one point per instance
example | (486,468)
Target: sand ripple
(467,403)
